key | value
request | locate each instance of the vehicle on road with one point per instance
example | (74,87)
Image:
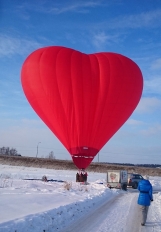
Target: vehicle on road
(117,179)
(134,179)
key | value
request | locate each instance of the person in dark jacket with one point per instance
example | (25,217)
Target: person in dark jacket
(145,197)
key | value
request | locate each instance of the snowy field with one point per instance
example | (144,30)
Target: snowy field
(63,205)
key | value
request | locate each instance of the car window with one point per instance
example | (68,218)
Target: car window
(137,176)
(134,176)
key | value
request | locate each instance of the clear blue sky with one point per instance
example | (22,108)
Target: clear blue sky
(129,27)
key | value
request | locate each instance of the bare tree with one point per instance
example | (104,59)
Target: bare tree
(51,155)
(2,150)
(8,151)
(13,151)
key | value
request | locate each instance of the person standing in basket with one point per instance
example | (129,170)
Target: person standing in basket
(145,197)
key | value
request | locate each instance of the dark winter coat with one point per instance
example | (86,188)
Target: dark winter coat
(145,195)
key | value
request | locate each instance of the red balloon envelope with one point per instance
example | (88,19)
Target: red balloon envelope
(84,99)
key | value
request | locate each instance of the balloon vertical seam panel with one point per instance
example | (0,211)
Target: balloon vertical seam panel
(109,110)
(120,93)
(61,76)
(87,93)
(90,96)
(136,80)
(105,83)
(75,123)
(45,79)
(98,112)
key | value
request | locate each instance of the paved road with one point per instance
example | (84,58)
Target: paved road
(106,218)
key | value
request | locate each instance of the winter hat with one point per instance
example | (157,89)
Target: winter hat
(146,177)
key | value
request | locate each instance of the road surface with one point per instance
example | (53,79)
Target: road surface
(106,218)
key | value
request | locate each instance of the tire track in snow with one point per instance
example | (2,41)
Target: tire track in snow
(110,217)
(153,220)
(133,223)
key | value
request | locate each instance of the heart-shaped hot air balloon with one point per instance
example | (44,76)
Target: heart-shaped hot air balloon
(83,99)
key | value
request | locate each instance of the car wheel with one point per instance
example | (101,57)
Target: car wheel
(124,187)
(135,185)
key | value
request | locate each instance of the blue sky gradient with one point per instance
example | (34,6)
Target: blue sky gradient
(129,27)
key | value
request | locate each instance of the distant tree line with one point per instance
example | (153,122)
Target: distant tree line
(13,152)
(138,165)
(149,165)
(9,151)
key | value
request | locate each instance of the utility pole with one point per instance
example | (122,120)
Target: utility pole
(37,149)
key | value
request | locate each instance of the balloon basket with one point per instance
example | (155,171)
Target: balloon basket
(81,176)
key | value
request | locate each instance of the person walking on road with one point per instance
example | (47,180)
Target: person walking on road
(145,197)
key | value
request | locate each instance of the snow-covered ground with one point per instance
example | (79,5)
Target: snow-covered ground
(64,205)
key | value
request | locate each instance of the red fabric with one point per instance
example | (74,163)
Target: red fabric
(84,99)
